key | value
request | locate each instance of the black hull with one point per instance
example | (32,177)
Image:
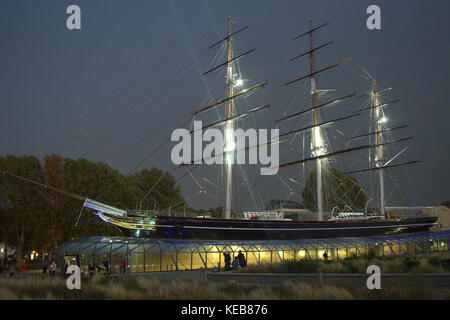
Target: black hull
(220,229)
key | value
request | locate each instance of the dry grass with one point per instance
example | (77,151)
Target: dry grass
(141,288)
(434,263)
(101,287)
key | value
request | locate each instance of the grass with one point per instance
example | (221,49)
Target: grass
(433,263)
(101,287)
(182,289)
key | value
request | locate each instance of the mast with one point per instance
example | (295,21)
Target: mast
(229,116)
(229,143)
(379,160)
(319,150)
(317,144)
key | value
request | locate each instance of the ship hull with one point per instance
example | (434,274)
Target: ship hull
(163,227)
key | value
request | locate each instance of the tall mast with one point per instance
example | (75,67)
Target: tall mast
(230,115)
(229,143)
(379,160)
(316,137)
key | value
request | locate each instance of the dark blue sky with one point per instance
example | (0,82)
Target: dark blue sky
(90,93)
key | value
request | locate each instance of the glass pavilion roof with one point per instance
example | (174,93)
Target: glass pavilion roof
(120,245)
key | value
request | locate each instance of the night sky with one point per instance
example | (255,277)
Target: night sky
(134,70)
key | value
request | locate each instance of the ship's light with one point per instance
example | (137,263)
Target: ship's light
(238,82)
(382,120)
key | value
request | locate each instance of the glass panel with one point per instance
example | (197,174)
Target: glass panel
(396,249)
(152,261)
(167,262)
(102,248)
(252,258)
(289,255)
(387,251)
(213,260)
(119,248)
(84,262)
(184,261)
(351,252)
(86,245)
(320,254)
(197,260)
(135,248)
(312,254)
(136,262)
(277,256)
(265,257)
(116,262)
(301,254)
(342,253)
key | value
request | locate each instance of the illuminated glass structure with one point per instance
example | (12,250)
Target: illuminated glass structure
(149,255)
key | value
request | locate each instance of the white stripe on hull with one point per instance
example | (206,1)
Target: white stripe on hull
(294,229)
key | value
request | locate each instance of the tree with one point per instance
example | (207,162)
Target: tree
(41,219)
(21,204)
(218,212)
(97,181)
(154,186)
(338,189)
(53,175)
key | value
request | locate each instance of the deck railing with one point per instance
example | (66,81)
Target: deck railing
(399,212)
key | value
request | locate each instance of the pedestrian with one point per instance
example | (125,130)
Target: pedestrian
(52,269)
(227,258)
(66,265)
(124,265)
(243,262)
(235,264)
(58,270)
(78,260)
(106,265)
(241,259)
(325,256)
(91,269)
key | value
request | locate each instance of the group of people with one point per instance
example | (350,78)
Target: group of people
(92,266)
(238,261)
(53,269)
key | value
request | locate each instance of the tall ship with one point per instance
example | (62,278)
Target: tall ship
(334,214)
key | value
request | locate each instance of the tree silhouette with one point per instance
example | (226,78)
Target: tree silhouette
(338,189)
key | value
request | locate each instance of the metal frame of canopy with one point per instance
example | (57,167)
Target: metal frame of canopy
(148,255)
